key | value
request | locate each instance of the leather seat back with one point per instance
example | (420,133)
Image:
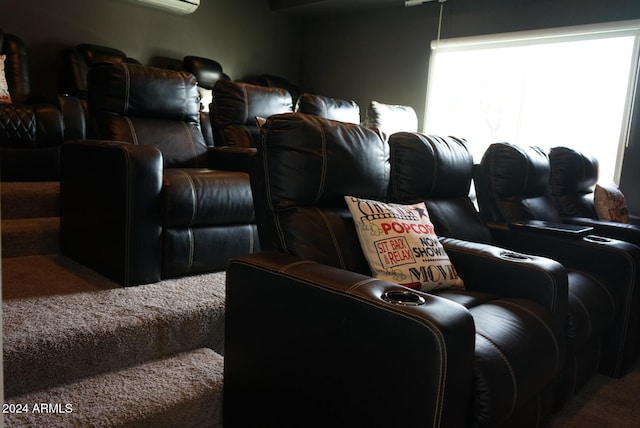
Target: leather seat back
(329,108)
(438,171)
(16,68)
(512,184)
(148,106)
(77,62)
(30,133)
(207,73)
(236,107)
(304,167)
(572,177)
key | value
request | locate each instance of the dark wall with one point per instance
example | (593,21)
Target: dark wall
(377,54)
(383,55)
(246,37)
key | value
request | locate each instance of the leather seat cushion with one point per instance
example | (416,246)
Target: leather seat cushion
(193,197)
(591,308)
(205,249)
(514,361)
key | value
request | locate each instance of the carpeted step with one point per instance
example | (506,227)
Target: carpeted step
(30,236)
(60,339)
(29,200)
(181,391)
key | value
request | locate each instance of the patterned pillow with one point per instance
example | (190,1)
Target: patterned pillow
(5,97)
(610,204)
(401,246)
(206,97)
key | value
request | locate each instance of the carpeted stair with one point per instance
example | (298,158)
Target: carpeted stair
(107,356)
(30,218)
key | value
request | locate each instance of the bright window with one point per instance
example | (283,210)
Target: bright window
(566,87)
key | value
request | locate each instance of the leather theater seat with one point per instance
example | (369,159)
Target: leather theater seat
(573,176)
(314,278)
(207,73)
(234,115)
(142,197)
(31,130)
(512,187)
(439,171)
(329,108)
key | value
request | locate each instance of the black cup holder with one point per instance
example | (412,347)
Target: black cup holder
(516,257)
(595,238)
(403,298)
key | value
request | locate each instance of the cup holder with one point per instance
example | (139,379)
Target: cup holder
(598,239)
(403,298)
(516,257)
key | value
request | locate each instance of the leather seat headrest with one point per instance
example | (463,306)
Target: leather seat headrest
(571,171)
(516,171)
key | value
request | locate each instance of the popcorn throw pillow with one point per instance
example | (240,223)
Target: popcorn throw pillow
(610,204)
(401,246)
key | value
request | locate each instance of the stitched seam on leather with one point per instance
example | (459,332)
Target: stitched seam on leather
(394,181)
(532,266)
(584,309)
(325,162)
(267,190)
(192,146)
(334,240)
(128,220)
(442,349)
(506,361)
(544,324)
(191,250)
(435,163)
(627,306)
(246,104)
(194,198)
(132,130)
(127,88)
(186,98)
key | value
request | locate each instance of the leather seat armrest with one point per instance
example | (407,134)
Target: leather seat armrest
(508,273)
(303,333)
(110,208)
(231,158)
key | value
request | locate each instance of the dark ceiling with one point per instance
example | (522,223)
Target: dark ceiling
(303,7)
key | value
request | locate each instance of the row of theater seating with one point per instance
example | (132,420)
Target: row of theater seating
(33,127)
(32,132)
(541,311)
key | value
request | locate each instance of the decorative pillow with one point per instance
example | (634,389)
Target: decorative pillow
(206,97)
(401,246)
(5,97)
(610,204)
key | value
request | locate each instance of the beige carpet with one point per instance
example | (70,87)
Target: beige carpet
(145,356)
(604,403)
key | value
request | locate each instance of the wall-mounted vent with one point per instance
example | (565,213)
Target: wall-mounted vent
(181,7)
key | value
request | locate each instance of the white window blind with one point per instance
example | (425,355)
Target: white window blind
(569,87)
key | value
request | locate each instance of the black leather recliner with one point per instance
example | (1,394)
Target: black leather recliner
(329,108)
(31,130)
(438,171)
(572,178)
(512,185)
(207,73)
(319,308)
(234,115)
(140,204)
(77,61)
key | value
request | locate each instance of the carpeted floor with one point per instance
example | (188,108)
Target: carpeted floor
(602,403)
(145,356)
